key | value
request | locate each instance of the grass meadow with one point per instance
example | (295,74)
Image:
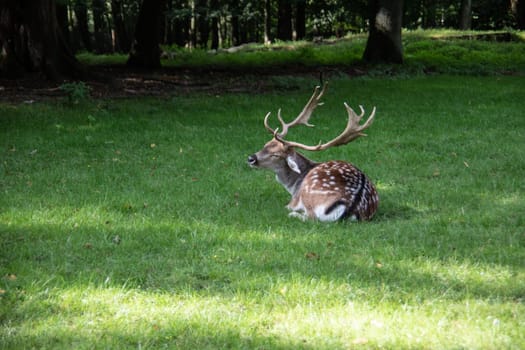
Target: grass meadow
(438,51)
(136,223)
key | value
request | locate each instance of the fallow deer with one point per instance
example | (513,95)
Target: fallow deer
(328,191)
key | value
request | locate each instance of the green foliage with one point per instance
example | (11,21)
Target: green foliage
(76,92)
(92,59)
(137,223)
(443,53)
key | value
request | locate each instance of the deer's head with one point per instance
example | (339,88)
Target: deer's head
(279,152)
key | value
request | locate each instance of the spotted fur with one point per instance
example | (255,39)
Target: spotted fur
(335,190)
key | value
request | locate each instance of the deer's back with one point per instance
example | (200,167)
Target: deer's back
(341,184)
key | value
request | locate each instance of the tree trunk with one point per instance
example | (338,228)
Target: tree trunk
(384,38)
(521,14)
(300,19)
(214,8)
(101,28)
(192,32)
(31,41)
(244,32)
(201,21)
(518,11)
(215,33)
(63,20)
(122,43)
(267,21)
(145,50)
(284,20)
(181,25)
(429,12)
(80,9)
(465,18)
(236,33)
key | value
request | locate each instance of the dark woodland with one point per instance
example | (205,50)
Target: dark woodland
(44,36)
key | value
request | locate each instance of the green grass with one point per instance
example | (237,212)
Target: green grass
(431,51)
(138,224)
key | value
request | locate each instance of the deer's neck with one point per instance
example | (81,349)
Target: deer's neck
(290,178)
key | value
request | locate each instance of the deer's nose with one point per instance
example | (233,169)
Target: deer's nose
(252,160)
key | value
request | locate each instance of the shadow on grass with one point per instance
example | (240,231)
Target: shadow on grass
(187,335)
(383,261)
(198,256)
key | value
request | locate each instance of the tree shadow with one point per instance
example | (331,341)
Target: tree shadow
(209,260)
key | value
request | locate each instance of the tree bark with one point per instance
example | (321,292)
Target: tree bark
(236,31)
(384,38)
(145,50)
(181,25)
(63,20)
(300,20)
(518,11)
(429,11)
(521,14)
(122,42)
(465,18)
(31,41)
(80,9)
(101,28)
(267,21)
(284,20)
(214,9)
(201,21)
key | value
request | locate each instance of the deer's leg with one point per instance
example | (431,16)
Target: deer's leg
(297,209)
(299,215)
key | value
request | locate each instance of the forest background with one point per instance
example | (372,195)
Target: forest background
(46,35)
(102,26)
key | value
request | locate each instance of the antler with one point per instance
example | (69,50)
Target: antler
(302,118)
(352,131)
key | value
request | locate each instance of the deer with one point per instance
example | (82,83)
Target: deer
(325,191)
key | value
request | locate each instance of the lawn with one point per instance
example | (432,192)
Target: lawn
(136,223)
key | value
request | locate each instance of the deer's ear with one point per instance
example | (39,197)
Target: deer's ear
(293,164)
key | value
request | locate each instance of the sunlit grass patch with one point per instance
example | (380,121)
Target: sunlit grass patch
(94,315)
